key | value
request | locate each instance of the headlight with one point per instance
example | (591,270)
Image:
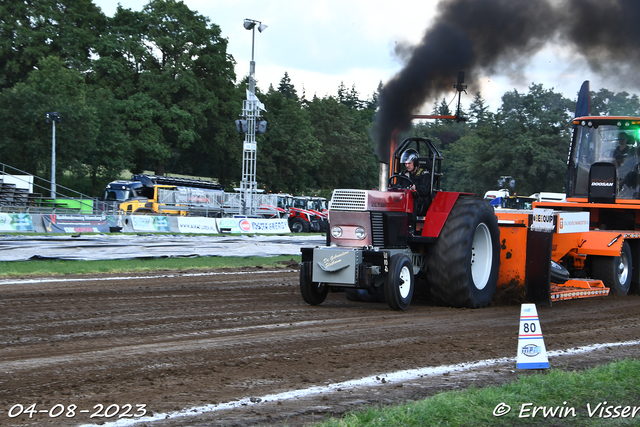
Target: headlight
(336,232)
(360,233)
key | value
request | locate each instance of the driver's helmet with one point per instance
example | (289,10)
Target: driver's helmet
(409,155)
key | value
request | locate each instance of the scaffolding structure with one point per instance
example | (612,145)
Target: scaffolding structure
(251,108)
(249,186)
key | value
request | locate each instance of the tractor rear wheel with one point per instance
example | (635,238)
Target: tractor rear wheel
(463,264)
(313,293)
(398,289)
(614,271)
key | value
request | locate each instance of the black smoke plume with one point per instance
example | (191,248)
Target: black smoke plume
(492,37)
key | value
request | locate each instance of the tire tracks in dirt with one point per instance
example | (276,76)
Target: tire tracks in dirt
(181,340)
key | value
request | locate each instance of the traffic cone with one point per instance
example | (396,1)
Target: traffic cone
(532,353)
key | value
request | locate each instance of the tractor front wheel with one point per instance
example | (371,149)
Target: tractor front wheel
(463,264)
(313,293)
(398,289)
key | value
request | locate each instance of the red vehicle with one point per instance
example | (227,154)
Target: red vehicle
(302,219)
(314,208)
(376,244)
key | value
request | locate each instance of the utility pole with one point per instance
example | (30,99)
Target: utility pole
(53,118)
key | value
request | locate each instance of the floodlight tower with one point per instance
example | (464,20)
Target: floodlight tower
(251,112)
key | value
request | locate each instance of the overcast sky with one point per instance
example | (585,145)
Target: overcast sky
(321,43)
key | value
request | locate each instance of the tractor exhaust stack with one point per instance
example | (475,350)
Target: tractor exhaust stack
(383,176)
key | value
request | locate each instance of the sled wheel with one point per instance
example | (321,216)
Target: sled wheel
(614,271)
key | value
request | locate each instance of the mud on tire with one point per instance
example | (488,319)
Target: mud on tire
(463,264)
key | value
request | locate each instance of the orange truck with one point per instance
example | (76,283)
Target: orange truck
(595,234)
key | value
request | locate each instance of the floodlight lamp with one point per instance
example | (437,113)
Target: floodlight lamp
(248,24)
(262,27)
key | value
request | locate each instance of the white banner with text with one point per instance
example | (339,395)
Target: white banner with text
(253,225)
(197,225)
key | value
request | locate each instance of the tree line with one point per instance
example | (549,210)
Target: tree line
(157,90)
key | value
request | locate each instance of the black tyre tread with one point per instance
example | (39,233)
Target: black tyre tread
(390,289)
(305,225)
(309,289)
(604,268)
(448,261)
(558,273)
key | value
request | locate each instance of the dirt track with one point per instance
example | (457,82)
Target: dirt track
(185,341)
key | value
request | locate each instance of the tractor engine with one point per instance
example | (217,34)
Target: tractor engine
(362,222)
(370,218)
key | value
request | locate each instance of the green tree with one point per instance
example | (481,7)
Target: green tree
(350,98)
(529,142)
(286,88)
(111,153)
(471,163)
(348,158)
(171,67)
(25,137)
(372,103)
(288,151)
(607,103)
(441,109)
(479,114)
(32,30)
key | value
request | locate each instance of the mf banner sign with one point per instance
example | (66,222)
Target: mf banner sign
(253,225)
(16,222)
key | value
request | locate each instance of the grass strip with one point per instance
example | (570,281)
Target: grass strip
(70,267)
(607,395)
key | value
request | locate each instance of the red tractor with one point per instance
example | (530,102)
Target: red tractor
(376,244)
(302,217)
(316,210)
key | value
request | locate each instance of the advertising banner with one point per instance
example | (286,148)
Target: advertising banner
(197,225)
(150,223)
(542,220)
(75,223)
(253,225)
(16,222)
(573,222)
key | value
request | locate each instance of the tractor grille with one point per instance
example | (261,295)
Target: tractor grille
(349,200)
(377,229)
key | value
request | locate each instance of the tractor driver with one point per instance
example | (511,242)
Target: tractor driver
(622,151)
(421,182)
